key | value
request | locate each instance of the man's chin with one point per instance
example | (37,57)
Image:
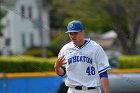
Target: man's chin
(74,42)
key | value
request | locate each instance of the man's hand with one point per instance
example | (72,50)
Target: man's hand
(59,62)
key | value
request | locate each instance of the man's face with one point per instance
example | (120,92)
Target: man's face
(77,37)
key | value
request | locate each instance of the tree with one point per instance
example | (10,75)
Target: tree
(85,10)
(125,16)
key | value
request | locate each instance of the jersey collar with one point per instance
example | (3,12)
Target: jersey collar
(85,43)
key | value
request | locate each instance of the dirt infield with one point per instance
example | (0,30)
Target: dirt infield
(41,74)
(113,71)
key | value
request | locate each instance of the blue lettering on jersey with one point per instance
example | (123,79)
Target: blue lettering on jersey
(79,59)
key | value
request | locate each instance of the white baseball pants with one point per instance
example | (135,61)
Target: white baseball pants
(73,90)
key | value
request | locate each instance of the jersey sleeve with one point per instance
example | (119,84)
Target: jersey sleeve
(60,53)
(101,60)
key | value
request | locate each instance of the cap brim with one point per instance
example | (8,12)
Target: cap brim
(73,31)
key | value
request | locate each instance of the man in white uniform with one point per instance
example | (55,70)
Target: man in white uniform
(83,62)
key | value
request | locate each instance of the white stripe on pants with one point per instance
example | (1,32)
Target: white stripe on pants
(73,90)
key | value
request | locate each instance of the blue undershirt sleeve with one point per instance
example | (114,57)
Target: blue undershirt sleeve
(104,74)
(64,70)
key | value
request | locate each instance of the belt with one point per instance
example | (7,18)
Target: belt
(83,88)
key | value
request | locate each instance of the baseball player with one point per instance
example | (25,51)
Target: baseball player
(83,62)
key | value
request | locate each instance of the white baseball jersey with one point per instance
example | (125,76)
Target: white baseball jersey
(84,63)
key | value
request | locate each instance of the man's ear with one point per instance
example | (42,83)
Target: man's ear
(83,32)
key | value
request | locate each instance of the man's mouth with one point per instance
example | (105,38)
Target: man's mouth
(73,39)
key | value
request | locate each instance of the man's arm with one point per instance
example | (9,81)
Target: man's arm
(105,84)
(59,71)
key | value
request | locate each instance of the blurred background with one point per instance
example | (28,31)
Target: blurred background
(32,33)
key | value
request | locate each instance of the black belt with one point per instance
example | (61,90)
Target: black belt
(82,88)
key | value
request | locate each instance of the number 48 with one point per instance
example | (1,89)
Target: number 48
(90,70)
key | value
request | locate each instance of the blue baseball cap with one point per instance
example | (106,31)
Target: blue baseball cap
(74,26)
